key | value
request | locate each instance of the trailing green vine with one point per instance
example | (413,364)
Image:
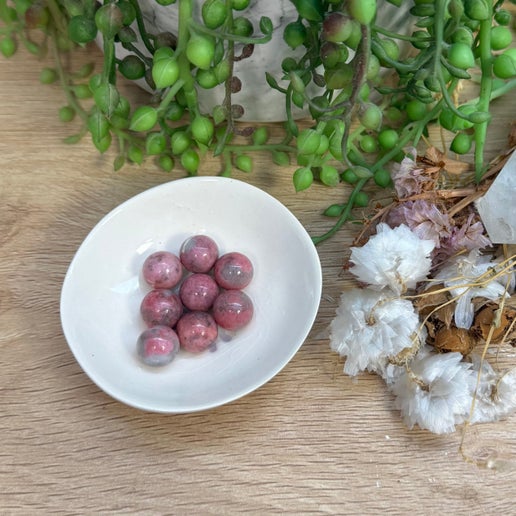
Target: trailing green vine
(369,92)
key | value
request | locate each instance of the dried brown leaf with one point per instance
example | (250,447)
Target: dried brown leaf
(454,339)
(438,159)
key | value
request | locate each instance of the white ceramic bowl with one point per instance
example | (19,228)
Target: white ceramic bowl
(103,289)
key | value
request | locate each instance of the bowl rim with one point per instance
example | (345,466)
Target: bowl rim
(238,393)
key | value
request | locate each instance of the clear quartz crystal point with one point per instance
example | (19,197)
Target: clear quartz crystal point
(497,208)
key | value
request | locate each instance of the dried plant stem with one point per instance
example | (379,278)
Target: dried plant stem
(480,463)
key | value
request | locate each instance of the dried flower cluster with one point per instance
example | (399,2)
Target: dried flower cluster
(434,290)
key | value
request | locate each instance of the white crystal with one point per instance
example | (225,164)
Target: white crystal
(497,208)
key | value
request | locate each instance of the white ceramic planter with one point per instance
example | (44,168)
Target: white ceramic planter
(260,101)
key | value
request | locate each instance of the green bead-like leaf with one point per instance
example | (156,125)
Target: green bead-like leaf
(311,10)
(260,135)
(244,163)
(219,114)
(106,98)
(165,72)
(334,210)
(266,25)
(362,172)
(98,125)
(109,19)
(308,141)
(82,91)
(297,83)
(143,119)
(280,158)
(123,109)
(135,154)
(7,47)
(127,35)
(200,51)
(202,129)
(84,71)
(103,144)
(166,163)
(82,29)
(155,143)
(48,76)
(329,175)
(66,114)
(363,11)
(162,53)
(180,141)
(214,13)
(118,163)
(461,143)
(73,7)
(303,178)
(73,139)
(273,83)
(477,9)
(190,161)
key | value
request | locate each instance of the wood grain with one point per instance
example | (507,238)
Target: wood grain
(311,441)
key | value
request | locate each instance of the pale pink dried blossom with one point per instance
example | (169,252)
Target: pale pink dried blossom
(408,178)
(396,216)
(427,221)
(469,236)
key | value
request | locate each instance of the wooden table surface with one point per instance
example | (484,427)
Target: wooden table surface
(310,441)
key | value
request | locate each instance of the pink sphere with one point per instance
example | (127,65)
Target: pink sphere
(233,271)
(161,307)
(157,346)
(198,253)
(197,331)
(162,270)
(233,309)
(198,292)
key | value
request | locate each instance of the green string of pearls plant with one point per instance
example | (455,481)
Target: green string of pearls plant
(368,92)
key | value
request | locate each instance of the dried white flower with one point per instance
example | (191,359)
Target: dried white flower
(394,258)
(496,393)
(463,275)
(436,392)
(370,327)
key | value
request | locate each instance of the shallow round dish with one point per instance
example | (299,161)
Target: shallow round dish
(103,289)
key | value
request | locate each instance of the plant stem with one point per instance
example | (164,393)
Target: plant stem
(109,70)
(141,26)
(344,216)
(418,62)
(412,134)
(440,11)
(171,93)
(263,147)
(70,97)
(395,35)
(290,123)
(486,86)
(57,17)
(136,50)
(228,36)
(230,56)
(361,59)
(185,74)
(502,90)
